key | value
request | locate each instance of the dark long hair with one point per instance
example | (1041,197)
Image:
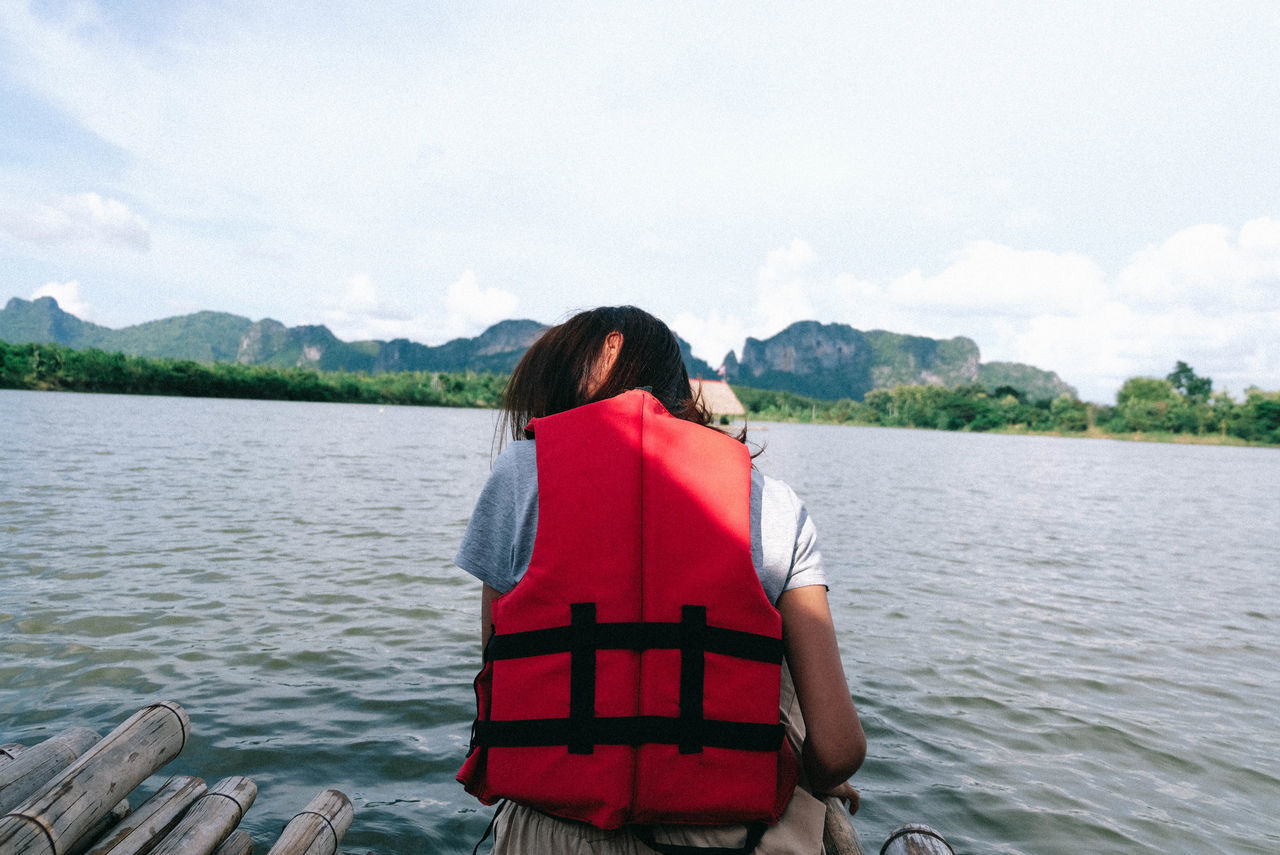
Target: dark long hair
(552,375)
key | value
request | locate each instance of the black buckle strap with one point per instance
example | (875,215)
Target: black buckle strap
(635,636)
(630,730)
(583,729)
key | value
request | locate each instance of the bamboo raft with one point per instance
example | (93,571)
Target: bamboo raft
(69,795)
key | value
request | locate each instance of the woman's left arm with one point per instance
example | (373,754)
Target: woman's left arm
(834,745)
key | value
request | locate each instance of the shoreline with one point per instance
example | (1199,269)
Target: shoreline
(1091,433)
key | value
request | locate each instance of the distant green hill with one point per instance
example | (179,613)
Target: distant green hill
(1035,384)
(42,321)
(833,361)
(222,337)
(202,337)
(826,361)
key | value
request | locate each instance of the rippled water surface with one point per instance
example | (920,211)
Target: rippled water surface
(1057,646)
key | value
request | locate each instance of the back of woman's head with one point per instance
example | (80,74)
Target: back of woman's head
(553,375)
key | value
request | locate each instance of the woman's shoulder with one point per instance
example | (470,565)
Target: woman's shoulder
(516,460)
(775,493)
(788,541)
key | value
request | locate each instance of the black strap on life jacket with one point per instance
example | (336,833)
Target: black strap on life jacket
(755,831)
(489,829)
(583,729)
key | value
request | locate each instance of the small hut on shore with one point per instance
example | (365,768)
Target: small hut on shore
(718,397)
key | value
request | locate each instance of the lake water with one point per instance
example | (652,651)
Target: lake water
(1056,645)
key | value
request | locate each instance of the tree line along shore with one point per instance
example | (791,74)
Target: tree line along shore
(1180,407)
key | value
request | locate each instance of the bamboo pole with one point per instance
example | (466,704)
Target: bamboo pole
(210,819)
(29,770)
(239,843)
(916,840)
(116,816)
(50,822)
(319,828)
(839,837)
(154,818)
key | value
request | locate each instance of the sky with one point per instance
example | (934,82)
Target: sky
(1089,187)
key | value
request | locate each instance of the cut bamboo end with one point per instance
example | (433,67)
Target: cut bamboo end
(916,839)
(64,798)
(86,791)
(319,828)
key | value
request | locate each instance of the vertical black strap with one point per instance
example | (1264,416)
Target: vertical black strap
(582,677)
(693,666)
(489,830)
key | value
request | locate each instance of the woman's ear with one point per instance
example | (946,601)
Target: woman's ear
(609,355)
(601,368)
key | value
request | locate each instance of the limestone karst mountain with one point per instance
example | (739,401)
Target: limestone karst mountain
(828,361)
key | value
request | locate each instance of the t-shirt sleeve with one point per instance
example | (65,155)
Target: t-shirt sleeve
(784,538)
(499,539)
(806,562)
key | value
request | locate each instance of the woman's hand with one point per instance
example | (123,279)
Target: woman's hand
(847,794)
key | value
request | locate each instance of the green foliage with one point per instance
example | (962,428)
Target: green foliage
(1069,414)
(1261,418)
(1185,381)
(1143,404)
(1145,389)
(50,367)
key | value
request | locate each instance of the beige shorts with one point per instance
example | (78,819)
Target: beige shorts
(522,830)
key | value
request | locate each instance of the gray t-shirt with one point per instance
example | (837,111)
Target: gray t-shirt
(499,539)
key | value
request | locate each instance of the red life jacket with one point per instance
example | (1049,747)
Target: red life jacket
(633,674)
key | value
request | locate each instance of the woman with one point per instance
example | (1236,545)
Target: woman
(642,583)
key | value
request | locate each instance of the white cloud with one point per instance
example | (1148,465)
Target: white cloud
(989,277)
(360,314)
(781,288)
(85,217)
(782,297)
(68,296)
(1205,296)
(1207,267)
(363,313)
(712,337)
(1262,236)
(362,299)
(473,309)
